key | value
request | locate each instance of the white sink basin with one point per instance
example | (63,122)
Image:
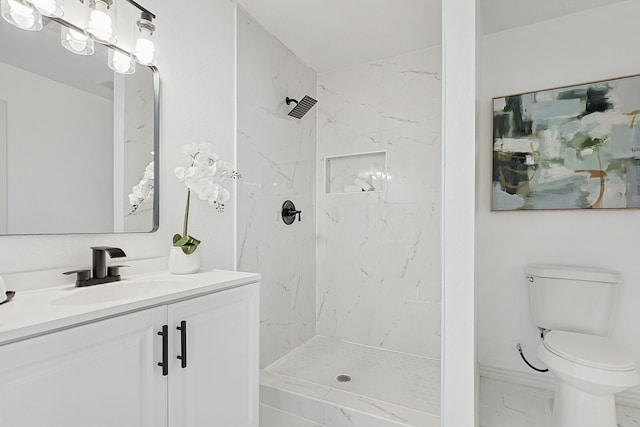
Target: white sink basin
(116,291)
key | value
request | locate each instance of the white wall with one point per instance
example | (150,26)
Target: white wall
(459,363)
(276,156)
(593,45)
(378,271)
(51,188)
(197,66)
(3,166)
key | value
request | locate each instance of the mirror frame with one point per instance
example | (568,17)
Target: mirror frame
(156,155)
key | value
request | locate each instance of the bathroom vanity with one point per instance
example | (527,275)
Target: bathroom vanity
(152,350)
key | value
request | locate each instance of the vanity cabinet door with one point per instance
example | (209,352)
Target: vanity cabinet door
(102,374)
(217,384)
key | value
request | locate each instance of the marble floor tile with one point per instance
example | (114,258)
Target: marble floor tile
(272,417)
(504,404)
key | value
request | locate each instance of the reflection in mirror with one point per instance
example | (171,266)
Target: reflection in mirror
(77,141)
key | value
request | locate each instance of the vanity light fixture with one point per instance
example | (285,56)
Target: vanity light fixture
(99,25)
(21,14)
(120,62)
(76,41)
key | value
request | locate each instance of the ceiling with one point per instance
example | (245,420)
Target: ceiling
(333,34)
(499,15)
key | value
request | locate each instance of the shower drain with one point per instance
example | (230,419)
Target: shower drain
(343,378)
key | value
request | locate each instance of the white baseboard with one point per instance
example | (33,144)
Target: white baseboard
(547,382)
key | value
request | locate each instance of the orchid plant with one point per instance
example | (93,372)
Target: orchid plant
(203,174)
(143,191)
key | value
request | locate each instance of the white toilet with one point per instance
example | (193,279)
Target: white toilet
(574,306)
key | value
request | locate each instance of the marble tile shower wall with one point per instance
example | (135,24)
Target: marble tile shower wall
(378,254)
(277,157)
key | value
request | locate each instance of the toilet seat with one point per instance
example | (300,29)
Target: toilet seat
(589,350)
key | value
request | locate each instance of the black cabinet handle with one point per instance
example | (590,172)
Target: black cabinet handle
(165,350)
(183,343)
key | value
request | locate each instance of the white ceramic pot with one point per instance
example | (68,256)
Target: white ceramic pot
(181,263)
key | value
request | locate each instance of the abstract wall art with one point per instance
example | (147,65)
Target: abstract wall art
(574,147)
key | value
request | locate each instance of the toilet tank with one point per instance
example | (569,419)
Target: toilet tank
(574,299)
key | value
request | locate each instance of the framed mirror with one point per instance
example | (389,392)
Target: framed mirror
(78,142)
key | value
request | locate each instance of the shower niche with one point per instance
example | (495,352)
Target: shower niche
(356,173)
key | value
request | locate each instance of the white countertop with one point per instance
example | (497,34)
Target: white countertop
(35,312)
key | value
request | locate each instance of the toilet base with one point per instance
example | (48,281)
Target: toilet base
(573,407)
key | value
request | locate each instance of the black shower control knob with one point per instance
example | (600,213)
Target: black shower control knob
(289,212)
(293,212)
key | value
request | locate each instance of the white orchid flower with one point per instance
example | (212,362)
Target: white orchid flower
(187,151)
(212,195)
(202,187)
(190,183)
(181,173)
(203,173)
(223,196)
(143,191)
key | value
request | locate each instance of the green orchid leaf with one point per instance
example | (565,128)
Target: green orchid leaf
(189,244)
(189,248)
(182,241)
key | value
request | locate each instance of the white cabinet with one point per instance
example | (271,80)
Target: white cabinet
(106,373)
(103,374)
(220,379)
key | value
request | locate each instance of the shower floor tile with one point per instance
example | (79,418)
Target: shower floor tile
(389,376)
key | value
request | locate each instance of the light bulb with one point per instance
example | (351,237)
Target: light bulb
(76,42)
(145,46)
(45,6)
(22,16)
(101,25)
(100,22)
(121,63)
(49,8)
(144,51)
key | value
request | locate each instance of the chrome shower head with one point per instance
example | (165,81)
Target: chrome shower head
(301,107)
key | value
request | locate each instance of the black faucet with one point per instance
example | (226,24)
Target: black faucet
(101,273)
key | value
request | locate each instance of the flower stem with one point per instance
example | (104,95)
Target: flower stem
(186,215)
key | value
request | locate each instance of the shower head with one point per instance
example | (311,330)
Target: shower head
(301,107)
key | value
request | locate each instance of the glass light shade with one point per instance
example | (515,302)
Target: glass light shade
(76,42)
(100,21)
(50,8)
(21,15)
(121,63)
(145,45)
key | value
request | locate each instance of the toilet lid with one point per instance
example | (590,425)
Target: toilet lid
(589,350)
